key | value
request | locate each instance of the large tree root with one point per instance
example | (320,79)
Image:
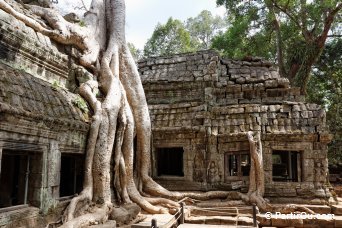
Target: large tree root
(87,91)
(116,62)
(227,203)
(98,215)
(256,188)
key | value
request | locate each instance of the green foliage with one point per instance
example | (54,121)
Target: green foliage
(236,42)
(81,104)
(204,27)
(168,39)
(249,32)
(55,85)
(82,23)
(292,32)
(136,53)
(325,88)
(177,37)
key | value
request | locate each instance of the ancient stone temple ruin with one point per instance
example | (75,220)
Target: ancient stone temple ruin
(42,129)
(201,108)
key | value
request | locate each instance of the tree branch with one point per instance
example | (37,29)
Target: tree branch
(65,32)
(276,25)
(327,25)
(285,11)
(303,18)
(335,35)
(84,6)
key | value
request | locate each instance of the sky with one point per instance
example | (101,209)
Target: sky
(142,16)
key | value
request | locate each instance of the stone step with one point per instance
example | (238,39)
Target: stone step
(336,209)
(299,222)
(241,221)
(338,221)
(220,204)
(108,224)
(221,220)
(163,220)
(221,211)
(209,226)
(320,209)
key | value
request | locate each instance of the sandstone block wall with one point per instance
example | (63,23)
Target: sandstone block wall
(206,104)
(39,117)
(25,49)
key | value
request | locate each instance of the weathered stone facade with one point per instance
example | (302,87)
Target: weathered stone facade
(201,107)
(204,105)
(42,129)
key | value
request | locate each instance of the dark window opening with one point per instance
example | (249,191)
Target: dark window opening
(286,166)
(245,164)
(20,176)
(72,168)
(170,161)
(237,164)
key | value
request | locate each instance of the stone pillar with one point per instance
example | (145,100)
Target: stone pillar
(0,159)
(51,172)
(43,189)
(54,164)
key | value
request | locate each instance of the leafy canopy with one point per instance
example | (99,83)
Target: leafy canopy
(204,27)
(325,88)
(136,52)
(177,37)
(292,32)
(169,39)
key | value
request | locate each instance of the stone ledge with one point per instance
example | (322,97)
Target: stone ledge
(18,215)
(336,209)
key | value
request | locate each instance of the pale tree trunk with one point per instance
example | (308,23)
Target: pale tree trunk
(256,188)
(120,115)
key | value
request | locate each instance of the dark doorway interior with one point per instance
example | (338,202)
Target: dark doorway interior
(13,179)
(71,175)
(237,164)
(20,178)
(170,161)
(286,166)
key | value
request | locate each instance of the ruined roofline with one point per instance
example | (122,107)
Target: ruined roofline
(179,55)
(182,57)
(24,95)
(209,67)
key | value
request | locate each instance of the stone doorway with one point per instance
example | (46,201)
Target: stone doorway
(237,165)
(286,166)
(20,178)
(170,161)
(72,169)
